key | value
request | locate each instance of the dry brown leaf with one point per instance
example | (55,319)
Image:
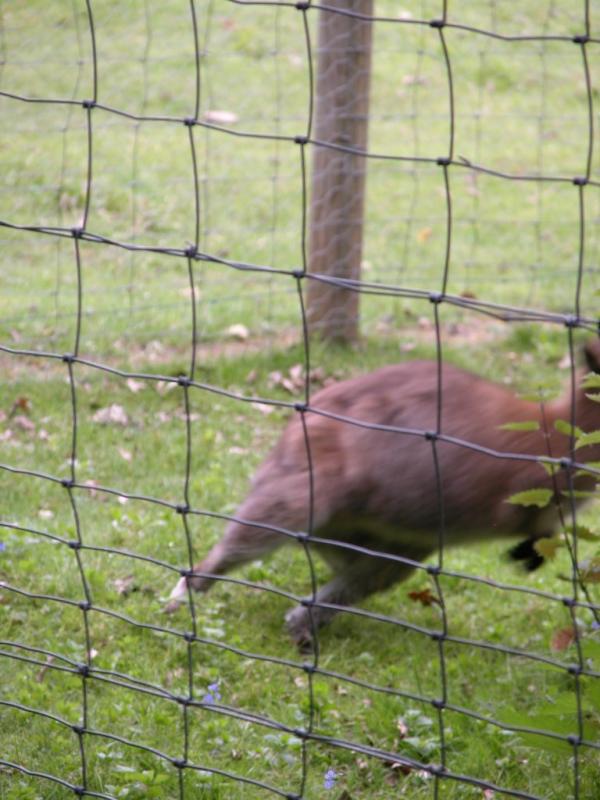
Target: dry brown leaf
(91,484)
(238,331)
(111,415)
(162,387)
(562,638)
(21,404)
(424,596)
(264,408)
(135,386)
(23,422)
(297,374)
(125,586)
(218,117)
(42,672)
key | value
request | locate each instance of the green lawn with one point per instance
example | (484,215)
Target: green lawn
(521,108)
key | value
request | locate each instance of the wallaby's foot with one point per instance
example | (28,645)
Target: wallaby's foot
(178,596)
(300,628)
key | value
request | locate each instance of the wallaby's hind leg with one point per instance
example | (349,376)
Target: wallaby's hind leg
(357,577)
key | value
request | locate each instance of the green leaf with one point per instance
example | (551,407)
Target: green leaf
(585,439)
(594,397)
(592,693)
(590,570)
(532,497)
(531,425)
(548,546)
(591,381)
(562,426)
(591,650)
(551,469)
(583,533)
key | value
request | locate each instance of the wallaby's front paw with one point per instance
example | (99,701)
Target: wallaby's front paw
(298,624)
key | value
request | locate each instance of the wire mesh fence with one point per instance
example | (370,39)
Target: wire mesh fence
(154,217)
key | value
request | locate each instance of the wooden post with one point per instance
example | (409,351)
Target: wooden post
(338,177)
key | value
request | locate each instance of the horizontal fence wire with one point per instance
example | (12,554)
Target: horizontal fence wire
(191,255)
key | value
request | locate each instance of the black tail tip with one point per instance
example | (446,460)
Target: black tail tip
(525,551)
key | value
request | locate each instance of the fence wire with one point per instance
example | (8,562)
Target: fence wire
(196,252)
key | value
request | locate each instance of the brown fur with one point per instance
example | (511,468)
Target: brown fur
(378,489)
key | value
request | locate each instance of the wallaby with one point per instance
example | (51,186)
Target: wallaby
(379,488)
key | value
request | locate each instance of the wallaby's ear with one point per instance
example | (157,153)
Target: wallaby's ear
(592,355)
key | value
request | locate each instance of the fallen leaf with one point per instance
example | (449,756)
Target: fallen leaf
(23,422)
(91,484)
(162,387)
(20,404)
(424,596)
(218,117)
(264,408)
(297,374)
(135,386)
(405,769)
(174,674)
(238,331)
(125,586)
(111,415)
(187,292)
(42,672)
(562,638)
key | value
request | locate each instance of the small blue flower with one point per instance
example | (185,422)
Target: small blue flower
(213,694)
(330,779)
(595,626)
(2,546)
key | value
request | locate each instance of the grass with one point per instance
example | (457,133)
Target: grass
(520,108)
